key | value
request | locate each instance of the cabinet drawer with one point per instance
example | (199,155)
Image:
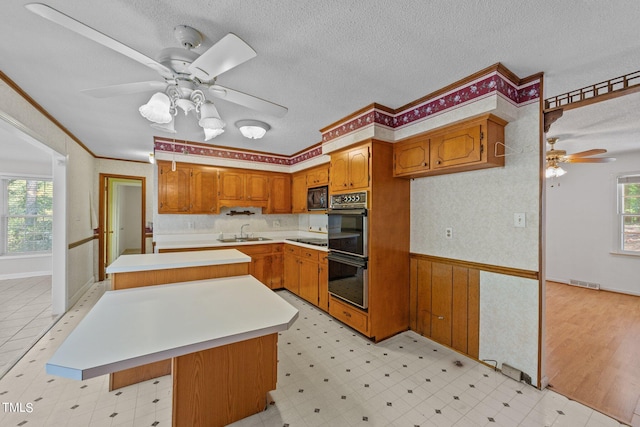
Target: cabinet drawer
(292,250)
(349,315)
(254,249)
(278,248)
(309,254)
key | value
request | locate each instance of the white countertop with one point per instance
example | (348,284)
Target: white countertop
(208,240)
(133,327)
(163,261)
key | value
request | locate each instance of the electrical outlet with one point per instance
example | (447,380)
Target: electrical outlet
(448,233)
(519,219)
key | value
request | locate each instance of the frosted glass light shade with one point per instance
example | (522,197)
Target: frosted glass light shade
(554,172)
(252,129)
(165,127)
(157,110)
(212,133)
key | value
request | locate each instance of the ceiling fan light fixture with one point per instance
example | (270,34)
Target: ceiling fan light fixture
(252,129)
(158,109)
(554,171)
(185,105)
(212,133)
(165,127)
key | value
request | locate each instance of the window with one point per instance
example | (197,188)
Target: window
(629,213)
(27,215)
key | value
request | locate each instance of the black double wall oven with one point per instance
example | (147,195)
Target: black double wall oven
(348,248)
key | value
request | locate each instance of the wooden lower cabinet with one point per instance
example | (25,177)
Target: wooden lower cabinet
(445,303)
(305,274)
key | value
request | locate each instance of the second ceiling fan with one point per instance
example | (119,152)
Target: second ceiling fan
(555,157)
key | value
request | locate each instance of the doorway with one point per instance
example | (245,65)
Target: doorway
(121,218)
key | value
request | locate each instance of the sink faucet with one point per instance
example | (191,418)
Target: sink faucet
(242,230)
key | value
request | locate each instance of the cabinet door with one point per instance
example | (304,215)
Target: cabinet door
(323,283)
(173,188)
(257,187)
(359,168)
(339,173)
(277,271)
(279,194)
(460,299)
(421,272)
(291,273)
(260,268)
(231,185)
(411,157)
(204,191)
(308,278)
(299,193)
(441,301)
(456,148)
(318,176)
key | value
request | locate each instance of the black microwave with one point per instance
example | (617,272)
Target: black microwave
(318,198)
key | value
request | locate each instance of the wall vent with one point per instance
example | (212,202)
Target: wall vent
(583,284)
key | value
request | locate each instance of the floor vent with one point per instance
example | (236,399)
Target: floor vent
(511,372)
(583,284)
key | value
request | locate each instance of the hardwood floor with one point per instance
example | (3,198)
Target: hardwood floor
(593,349)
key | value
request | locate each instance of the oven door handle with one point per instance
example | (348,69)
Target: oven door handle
(359,212)
(352,261)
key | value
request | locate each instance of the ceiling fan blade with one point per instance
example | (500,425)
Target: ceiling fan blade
(60,18)
(226,54)
(593,152)
(592,160)
(125,89)
(248,101)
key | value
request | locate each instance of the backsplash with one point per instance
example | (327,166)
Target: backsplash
(227,224)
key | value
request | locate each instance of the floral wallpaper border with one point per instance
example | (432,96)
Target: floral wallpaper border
(480,88)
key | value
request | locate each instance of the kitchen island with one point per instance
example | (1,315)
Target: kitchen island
(221,335)
(139,270)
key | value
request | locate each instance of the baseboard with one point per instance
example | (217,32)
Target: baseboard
(75,297)
(24,275)
(617,291)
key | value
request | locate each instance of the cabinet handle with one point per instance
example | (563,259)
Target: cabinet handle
(425,164)
(346,313)
(438,162)
(440,317)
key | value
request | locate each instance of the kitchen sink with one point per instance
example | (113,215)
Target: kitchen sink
(243,239)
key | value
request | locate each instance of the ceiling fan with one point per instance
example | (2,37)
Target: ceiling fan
(554,157)
(186,75)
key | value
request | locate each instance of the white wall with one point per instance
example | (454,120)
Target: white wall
(479,206)
(79,177)
(581,226)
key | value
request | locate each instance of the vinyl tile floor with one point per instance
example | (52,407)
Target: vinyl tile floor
(25,314)
(328,375)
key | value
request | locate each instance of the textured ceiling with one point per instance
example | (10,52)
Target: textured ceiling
(322,59)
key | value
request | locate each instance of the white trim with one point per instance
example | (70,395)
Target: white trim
(24,275)
(76,297)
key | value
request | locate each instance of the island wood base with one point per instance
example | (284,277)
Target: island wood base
(137,279)
(224,384)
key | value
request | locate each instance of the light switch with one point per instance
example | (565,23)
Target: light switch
(519,219)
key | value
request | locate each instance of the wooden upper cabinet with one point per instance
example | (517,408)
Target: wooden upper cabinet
(257,187)
(204,191)
(279,194)
(455,148)
(472,144)
(243,188)
(231,185)
(350,169)
(318,176)
(173,188)
(411,157)
(299,193)
(190,189)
